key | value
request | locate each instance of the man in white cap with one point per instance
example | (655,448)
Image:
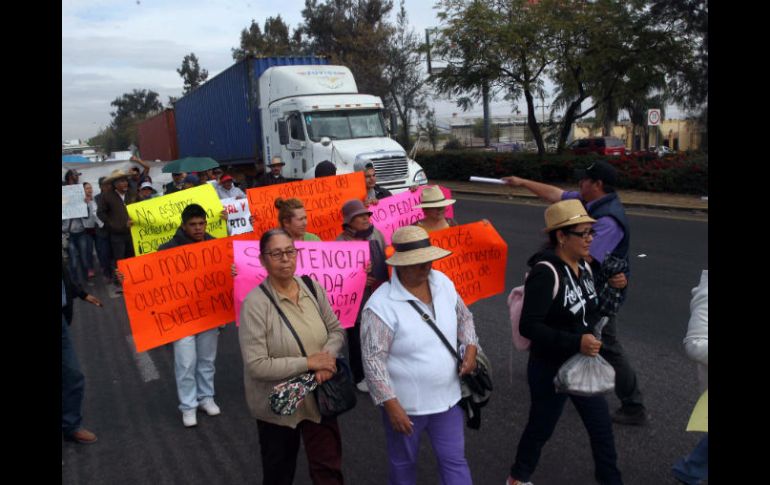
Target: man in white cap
(146,192)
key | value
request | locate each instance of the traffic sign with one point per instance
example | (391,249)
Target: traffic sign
(653,117)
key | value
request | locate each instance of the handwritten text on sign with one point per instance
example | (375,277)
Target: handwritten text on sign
(392,213)
(178,292)
(73,203)
(337,266)
(237,215)
(322,197)
(478,260)
(156,220)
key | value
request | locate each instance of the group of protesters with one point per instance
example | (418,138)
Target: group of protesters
(287,326)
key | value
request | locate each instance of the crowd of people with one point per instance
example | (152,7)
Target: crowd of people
(288,327)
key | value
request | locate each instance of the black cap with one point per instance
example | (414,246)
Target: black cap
(600,170)
(325,169)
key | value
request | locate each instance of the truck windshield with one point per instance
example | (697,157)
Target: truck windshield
(343,125)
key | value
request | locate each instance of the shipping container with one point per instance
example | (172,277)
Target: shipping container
(157,137)
(221,118)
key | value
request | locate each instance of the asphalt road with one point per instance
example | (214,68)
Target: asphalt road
(131,399)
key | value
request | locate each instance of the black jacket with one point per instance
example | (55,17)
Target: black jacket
(180,239)
(555,326)
(72,290)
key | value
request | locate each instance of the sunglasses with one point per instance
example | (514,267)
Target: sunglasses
(585,234)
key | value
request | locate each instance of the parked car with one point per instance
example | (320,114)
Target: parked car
(603,145)
(661,150)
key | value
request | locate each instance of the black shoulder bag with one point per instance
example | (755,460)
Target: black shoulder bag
(336,395)
(477,386)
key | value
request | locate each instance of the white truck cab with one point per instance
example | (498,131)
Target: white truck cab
(315,113)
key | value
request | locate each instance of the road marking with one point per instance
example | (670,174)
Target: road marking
(143,362)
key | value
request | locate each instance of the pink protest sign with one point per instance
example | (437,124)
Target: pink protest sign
(399,210)
(337,266)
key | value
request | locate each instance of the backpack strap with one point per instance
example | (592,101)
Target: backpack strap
(310,286)
(429,321)
(283,317)
(555,275)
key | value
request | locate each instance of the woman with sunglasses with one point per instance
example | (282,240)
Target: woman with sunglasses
(558,328)
(271,355)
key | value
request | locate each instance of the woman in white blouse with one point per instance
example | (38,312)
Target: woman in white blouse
(409,371)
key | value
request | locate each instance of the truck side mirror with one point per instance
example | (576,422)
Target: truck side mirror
(283,132)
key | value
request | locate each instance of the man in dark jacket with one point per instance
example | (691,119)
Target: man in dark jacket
(112,211)
(273,175)
(194,356)
(598,195)
(373,191)
(176,184)
(72,380)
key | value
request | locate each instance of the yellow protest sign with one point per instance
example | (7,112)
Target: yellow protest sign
(699,421)
(156,220)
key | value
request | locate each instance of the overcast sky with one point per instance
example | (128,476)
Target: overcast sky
(110,47)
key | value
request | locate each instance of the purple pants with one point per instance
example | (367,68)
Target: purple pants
(446,432)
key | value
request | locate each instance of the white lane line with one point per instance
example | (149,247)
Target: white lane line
(143,362)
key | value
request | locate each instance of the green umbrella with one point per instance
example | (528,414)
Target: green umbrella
(190,164)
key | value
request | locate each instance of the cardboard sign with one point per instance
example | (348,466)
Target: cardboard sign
(73,204)
(322,197)
(178,292)
(478,260)
(337,266)
(397,211)
(699,420)
(238,215)
(156,220)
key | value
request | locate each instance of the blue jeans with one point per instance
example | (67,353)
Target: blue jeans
(80,249)
(104,253)
(694,467)
(447,437)
(544,412)
(72,384)
(194,367)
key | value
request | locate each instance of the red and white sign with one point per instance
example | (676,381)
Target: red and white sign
(653,117)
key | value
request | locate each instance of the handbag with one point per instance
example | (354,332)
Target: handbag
(476,387)
(336,395)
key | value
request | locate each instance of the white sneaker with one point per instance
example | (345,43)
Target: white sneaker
(209,406)
(361,386)
(189,419)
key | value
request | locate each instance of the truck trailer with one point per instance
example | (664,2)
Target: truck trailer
(300,109)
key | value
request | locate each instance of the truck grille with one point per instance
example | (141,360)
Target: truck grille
(393,169)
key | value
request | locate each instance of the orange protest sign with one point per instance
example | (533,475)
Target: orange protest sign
(322,197)
(478,260)
(178,292)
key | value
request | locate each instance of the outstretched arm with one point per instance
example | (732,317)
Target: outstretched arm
(549,193)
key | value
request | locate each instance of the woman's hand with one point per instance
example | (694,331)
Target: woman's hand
(233,270)
(129,223)
(370,280)
(322,376)
(119,276)
(399,420)
(589,345)
(322,361)
(618,281)
(223,214)
(469,360)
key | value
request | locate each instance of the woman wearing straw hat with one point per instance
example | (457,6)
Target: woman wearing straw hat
(410,372)
(357,226)
(559,327)
(434,204)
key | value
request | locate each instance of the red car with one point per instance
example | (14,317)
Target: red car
(603,145)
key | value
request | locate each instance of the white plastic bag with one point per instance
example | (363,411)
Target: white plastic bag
(584,375)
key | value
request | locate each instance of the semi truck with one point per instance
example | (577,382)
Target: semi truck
(300,109)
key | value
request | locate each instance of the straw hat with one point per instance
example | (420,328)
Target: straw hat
(565,213)
(115,175)
(413,246)
(433,197)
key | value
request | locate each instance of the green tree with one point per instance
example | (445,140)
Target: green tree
(130,110)
(355,34)
(191,73)
(495,44)
(429,126)
(478,129)
(406,83)
(275,41)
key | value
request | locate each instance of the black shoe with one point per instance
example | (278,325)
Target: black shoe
(637,417)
